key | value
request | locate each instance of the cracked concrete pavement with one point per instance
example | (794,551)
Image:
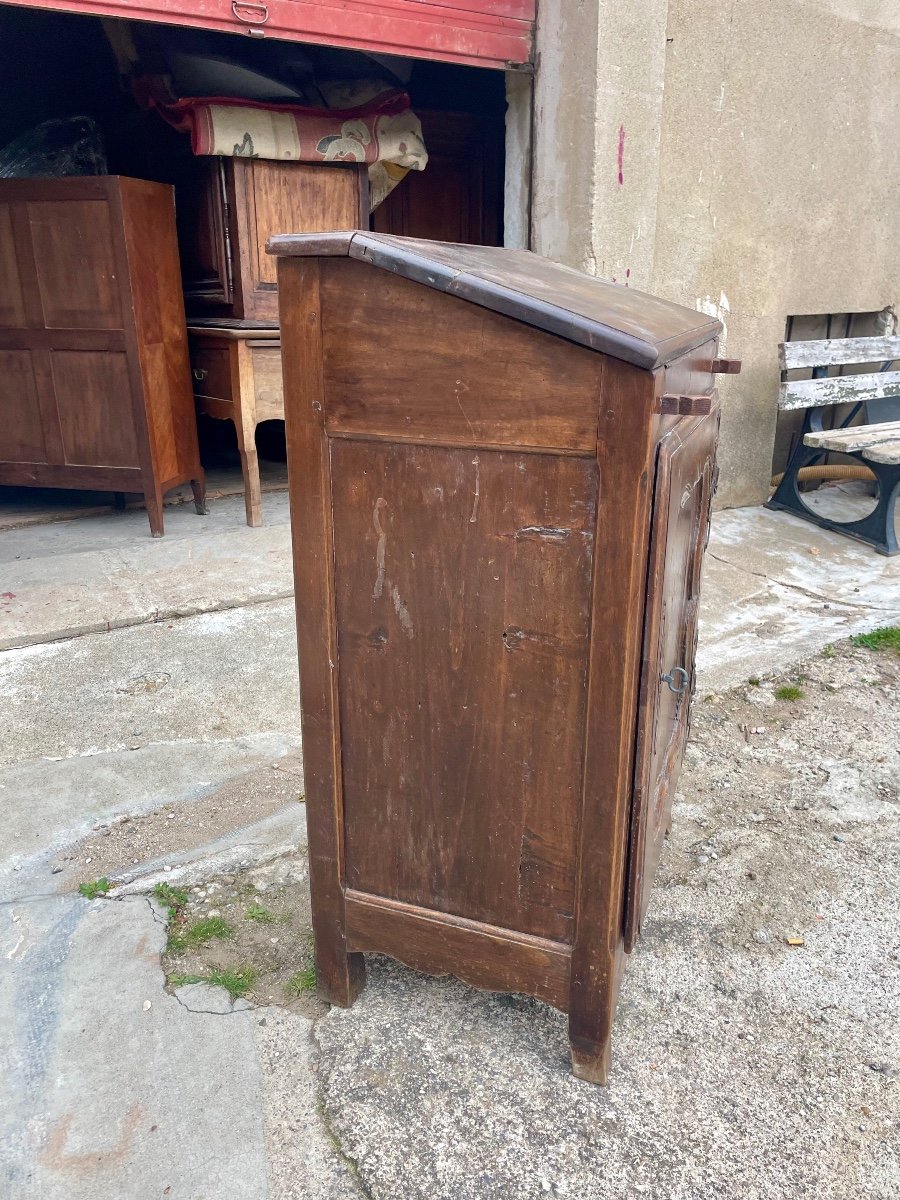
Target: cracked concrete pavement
(94,574)
(107,1098)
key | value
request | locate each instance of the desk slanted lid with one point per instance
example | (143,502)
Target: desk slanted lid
(604,316)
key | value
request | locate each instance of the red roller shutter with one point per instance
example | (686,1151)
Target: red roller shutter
(488,33)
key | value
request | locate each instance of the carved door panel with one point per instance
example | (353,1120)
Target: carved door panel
(679,530)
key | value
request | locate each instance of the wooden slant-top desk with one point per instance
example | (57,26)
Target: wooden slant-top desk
(501,473)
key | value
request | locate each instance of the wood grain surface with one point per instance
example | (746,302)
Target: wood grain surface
(462,582)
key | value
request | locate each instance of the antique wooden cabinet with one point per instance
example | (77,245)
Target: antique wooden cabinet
(228,207)
(95,384)
(501,473)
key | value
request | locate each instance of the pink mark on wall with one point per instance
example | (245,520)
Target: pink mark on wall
(621,154)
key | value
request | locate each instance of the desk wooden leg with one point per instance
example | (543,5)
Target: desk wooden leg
(244,396)
(246,435)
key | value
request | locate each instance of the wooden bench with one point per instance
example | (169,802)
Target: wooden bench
(876,444)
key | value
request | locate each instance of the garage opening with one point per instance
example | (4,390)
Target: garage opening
(81,95)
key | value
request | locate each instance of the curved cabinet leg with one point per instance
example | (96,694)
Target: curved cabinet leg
(198,487)
(154,501)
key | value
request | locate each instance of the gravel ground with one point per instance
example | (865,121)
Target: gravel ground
(744,1066)
(115,845)
(757,1043)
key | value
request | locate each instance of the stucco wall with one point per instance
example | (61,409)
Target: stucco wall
(744,160)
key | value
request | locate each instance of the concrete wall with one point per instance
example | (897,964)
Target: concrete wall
(739,157)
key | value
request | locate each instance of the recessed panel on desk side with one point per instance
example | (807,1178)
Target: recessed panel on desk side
(462,585)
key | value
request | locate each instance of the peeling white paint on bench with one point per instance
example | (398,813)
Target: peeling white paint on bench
(832,352)
(884,452)
(843,389)
(855,438)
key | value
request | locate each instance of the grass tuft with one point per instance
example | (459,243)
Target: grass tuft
(178,981)
(200,933)
(885,638)
(789,691)
(301,981)
(256,912)
(207,928)
(753,681)
(235,982)
(828,651)
(94,888)
(174,899)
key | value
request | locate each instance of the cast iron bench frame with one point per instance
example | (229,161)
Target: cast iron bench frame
(876,444)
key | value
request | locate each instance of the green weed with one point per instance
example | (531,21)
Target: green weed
(178,981)
(256,912)
(885,638)
(174,899)
(828,651)
(789,691)
(94,888)
(753,681)
(200,933)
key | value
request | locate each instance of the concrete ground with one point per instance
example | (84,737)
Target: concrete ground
(149,730)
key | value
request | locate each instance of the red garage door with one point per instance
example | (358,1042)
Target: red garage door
(488,33)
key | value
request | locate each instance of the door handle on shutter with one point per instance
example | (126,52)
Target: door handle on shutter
(670,681)
(257,14)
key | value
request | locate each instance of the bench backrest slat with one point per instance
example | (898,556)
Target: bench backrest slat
(833,352)
(841,389)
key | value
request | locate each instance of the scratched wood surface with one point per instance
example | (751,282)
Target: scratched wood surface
(462,581)
(484,380)
(604,316)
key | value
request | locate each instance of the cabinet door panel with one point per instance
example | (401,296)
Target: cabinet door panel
(12,300)
(21,429)
(93,400)
(679,527)
(74,255)
(459,197)
(285,197)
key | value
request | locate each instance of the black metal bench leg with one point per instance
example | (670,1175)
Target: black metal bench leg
(787,495)
(877,529)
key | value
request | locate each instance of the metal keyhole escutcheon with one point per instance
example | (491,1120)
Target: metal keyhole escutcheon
(670,680)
